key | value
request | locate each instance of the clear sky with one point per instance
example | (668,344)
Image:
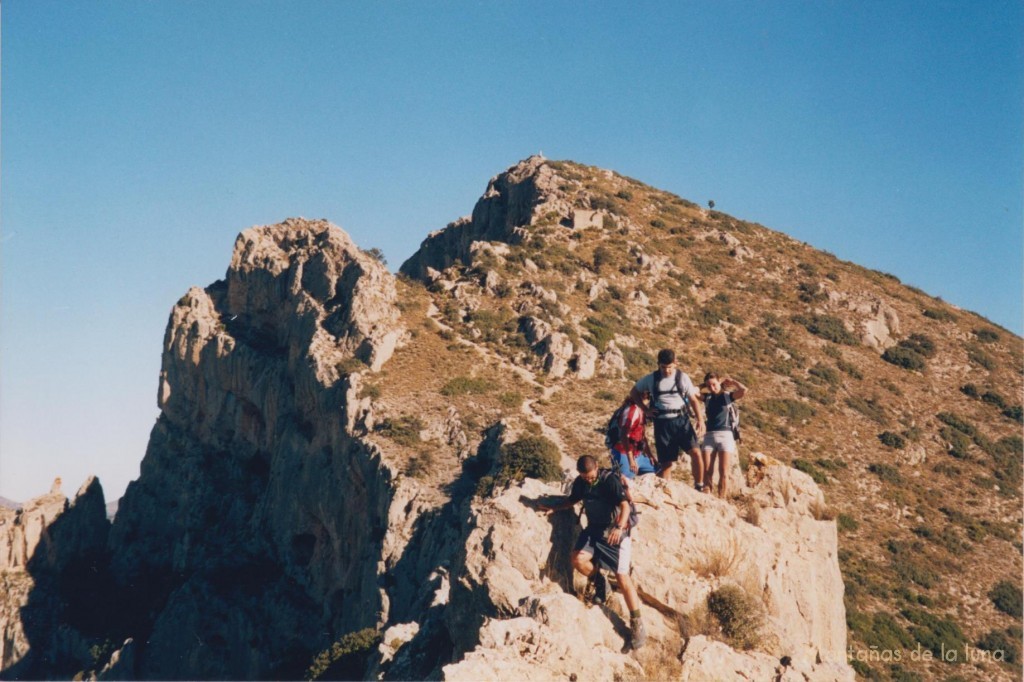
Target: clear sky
(138,139)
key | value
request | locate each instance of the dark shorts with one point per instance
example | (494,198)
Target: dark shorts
(672,435)
(614,558)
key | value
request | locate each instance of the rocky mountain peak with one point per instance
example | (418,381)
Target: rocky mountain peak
(338,467)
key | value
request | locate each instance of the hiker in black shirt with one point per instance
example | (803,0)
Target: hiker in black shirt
(605,542)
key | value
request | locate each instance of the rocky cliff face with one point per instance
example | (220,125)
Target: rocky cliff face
(329,456)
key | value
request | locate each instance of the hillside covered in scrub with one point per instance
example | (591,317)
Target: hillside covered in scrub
(344,476)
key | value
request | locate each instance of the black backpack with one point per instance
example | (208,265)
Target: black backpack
(634,515)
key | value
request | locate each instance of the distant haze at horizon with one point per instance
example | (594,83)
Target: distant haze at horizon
(886,135)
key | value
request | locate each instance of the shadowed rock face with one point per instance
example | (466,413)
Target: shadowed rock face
(53,562)
(257,508)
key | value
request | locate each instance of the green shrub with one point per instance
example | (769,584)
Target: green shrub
(986,335)
(881,630)
(603,256)
(420,465)
(463,384)
(1006,454)
(904,357)
(377,254)
(934,633)
(920,344)
(845,522)
(958,423)
(994,398)
(939,314)
(970,390)
(604,203)
(849,369)
(530,457)
(887,473)
(827,327)
(869,407)
(980,357)
(959,444)
(794,410)
(511,399)
(371,391)
(638,362)
(404,430)
(706,267)
(351,366)
(1007,597)
(740,615)
(1015,412)
(624,194)
(811,470)
(1006,641)
(347,658)
(658,223)
(892,440)
(826,374)
(809,292)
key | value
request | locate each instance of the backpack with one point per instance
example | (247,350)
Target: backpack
(733,414)
(678,388)
(613,432)
(634,515)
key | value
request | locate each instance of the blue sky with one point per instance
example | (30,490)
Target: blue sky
(138,138)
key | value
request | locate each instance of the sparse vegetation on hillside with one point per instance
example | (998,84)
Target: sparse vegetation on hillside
(930,423)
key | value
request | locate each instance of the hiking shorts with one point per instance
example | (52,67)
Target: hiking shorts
(615,558)
(620,463)
(719,441)
(672,435)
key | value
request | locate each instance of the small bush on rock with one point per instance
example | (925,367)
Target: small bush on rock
(1008,598)
(530,457)
(740,615)
(347,658)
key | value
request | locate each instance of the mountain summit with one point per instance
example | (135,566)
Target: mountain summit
(344,478)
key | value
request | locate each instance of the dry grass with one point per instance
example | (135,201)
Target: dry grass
(821,511)
(699,621)
(720,560)
(750,510)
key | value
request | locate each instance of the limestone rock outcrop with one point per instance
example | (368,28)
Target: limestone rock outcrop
(50,549)
(512,200)
(258,509)
(269,520)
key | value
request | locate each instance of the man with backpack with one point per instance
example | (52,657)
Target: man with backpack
(626,439)
(605,542)
(673,399)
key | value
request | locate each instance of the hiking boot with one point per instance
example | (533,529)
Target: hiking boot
(637,633)
(600,587)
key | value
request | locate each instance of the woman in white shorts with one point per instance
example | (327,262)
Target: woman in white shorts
(719,442)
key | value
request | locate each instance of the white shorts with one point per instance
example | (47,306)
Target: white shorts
(719,441)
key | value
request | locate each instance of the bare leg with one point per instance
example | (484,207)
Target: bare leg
(666,470)
(723,473)
(628,591)
(709,467)
(581,561)
(697,464)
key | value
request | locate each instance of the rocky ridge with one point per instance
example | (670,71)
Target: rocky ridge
(326,429)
